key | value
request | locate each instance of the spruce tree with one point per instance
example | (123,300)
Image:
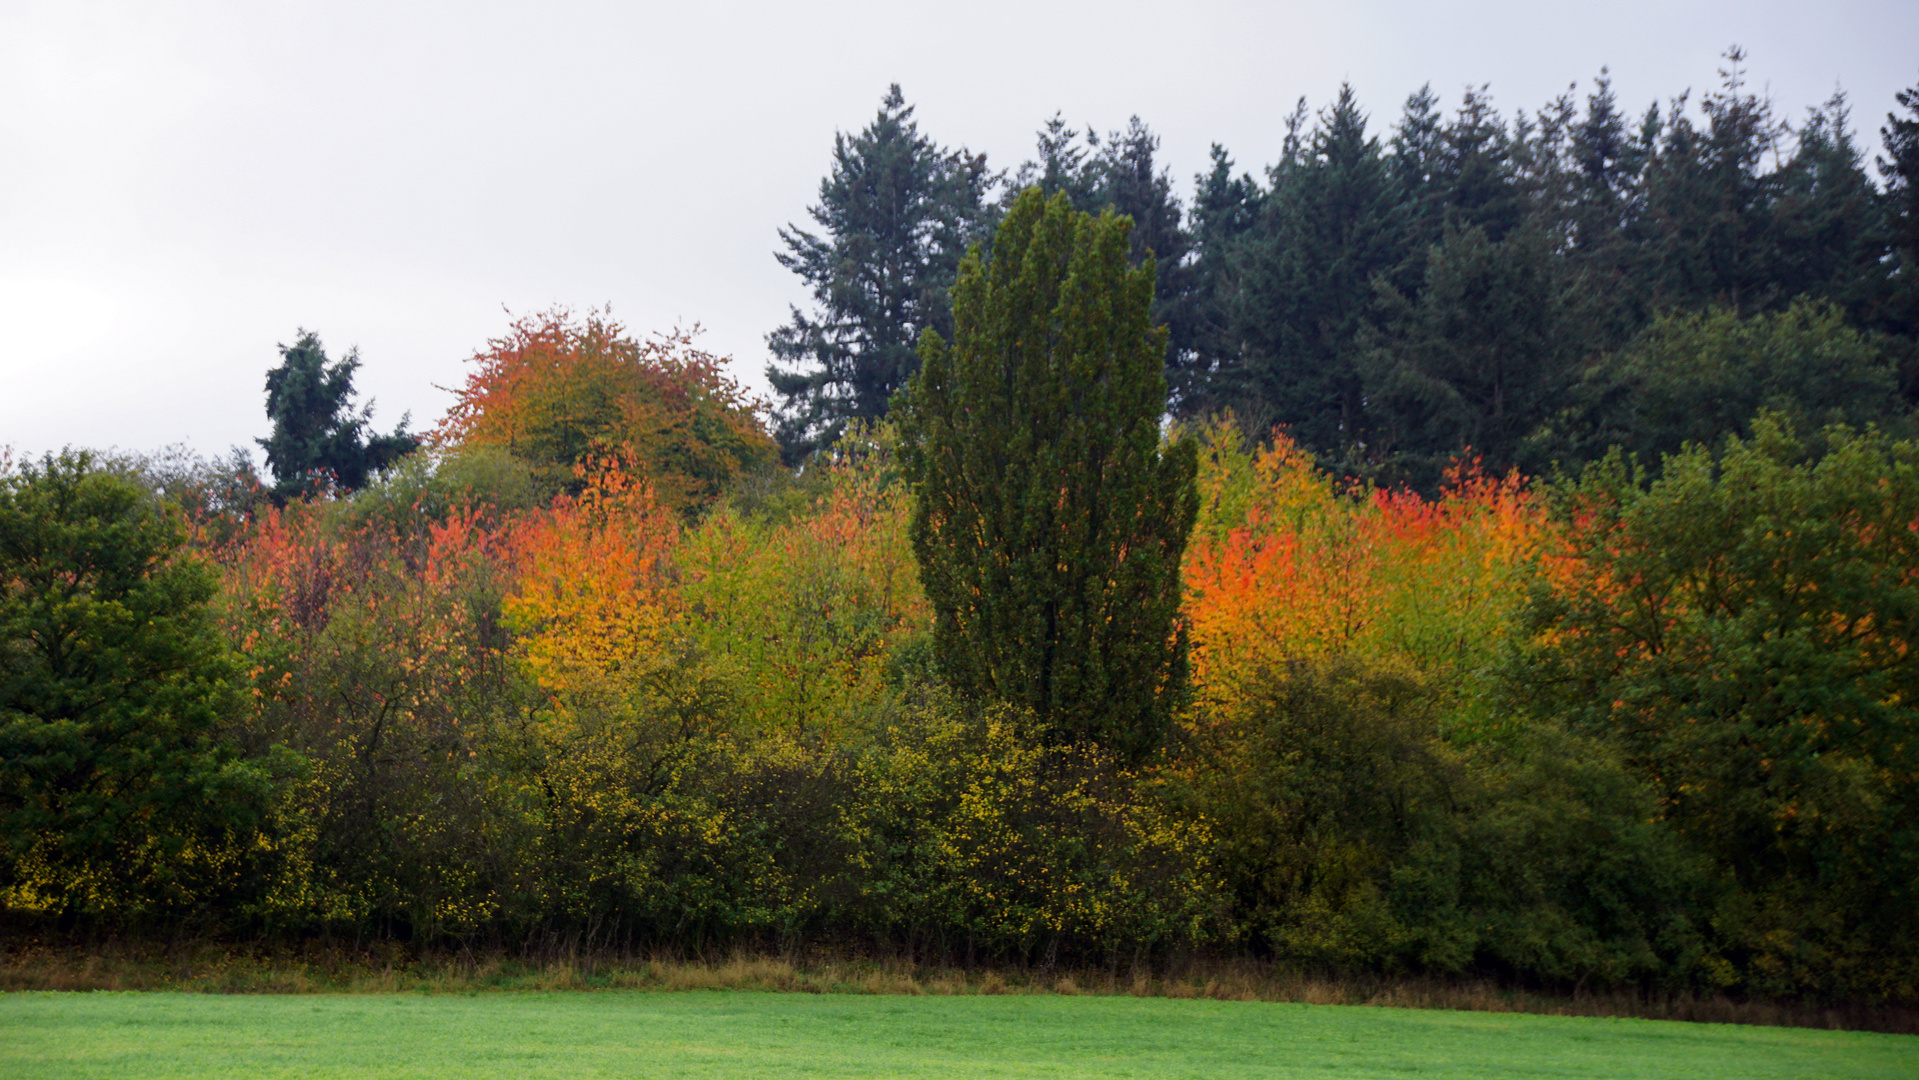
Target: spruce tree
(1828,224)
(1119,173)
(318,439)
(1049,523)
(1478,362)
(1708,205)
(898,212)
(1332,221)
(1607,164)
(1477,170)
(1132,186)
(1225,209)
(1066,162)
(1897,310)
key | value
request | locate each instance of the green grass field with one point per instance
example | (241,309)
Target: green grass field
(733,1034)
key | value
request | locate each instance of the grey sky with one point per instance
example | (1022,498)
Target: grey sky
(182,184)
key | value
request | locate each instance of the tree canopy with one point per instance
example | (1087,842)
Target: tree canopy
(559,393)
(117,799)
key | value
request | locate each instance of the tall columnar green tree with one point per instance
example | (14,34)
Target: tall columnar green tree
(1119,173)
(1050,522)
(898,212)
(318,438)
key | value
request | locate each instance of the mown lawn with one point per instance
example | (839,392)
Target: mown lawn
(735,1034)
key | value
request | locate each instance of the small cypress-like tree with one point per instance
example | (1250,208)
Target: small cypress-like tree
(1050,523)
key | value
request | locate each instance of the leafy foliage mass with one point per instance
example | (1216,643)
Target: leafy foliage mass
(1628,730)
(556,393)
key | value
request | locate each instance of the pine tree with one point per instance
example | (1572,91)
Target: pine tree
(897,213)
(318,440)
(1049,524)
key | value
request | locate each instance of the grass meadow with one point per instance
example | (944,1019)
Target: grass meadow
(721,1033)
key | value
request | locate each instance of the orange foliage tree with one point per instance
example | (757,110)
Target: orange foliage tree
(1285,568)
(556,392)
(593,602)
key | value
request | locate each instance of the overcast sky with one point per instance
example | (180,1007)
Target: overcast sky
(183,184)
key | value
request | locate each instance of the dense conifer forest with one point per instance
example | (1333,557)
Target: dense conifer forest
(1473,545)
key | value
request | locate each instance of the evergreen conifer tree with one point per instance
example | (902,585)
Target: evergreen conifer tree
(897,213)
(1898,310)
(1828,227)
(1119,173)
(318,440)
(1708,204)
(1132,186)
(1049,524)
(1332,221)
(1225,209)
(1478,361)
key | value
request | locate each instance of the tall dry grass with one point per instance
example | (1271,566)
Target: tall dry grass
(387,969)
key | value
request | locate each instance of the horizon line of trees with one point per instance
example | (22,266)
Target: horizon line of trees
(595,672)
(1484,282)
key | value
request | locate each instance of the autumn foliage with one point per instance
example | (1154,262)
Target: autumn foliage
(557,391)
(1506,729)
(1289,568)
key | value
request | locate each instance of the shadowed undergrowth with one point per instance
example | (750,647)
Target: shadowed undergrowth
(332,969)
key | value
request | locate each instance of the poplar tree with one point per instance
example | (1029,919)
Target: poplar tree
(1050,523)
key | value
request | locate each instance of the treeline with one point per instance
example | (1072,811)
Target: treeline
(1514,285)
(1615,732)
